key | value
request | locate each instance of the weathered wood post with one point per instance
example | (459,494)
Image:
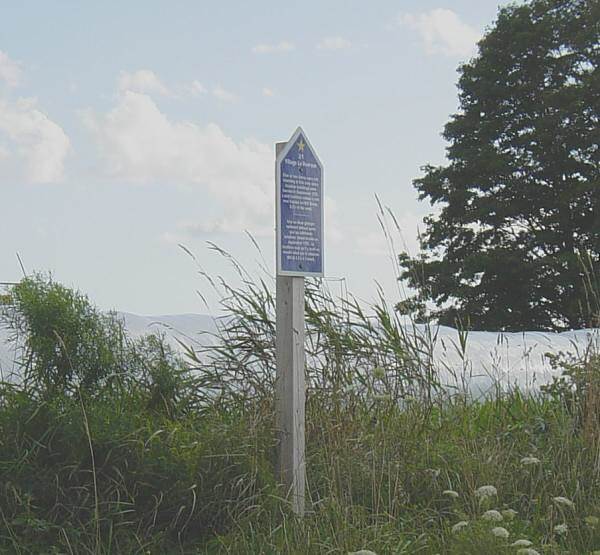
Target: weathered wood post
(299,208)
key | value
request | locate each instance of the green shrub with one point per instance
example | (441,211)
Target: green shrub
(102,443)
(66,342)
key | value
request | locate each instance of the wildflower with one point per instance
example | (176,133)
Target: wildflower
(509,514)
(435,472)
(592,521)
(459,526)
(500,532)
(561,529)
(521,543)
(528,551)
(528,461)
(486,491)
(378,373)
(492,515)
(450,493)
(564,501)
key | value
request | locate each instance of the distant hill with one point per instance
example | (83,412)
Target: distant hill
(188,328)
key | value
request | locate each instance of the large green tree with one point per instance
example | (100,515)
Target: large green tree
(517,225)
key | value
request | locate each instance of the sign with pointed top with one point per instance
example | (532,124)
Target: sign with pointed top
(300,217)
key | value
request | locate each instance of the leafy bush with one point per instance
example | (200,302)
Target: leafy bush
(102,445)
(65,341)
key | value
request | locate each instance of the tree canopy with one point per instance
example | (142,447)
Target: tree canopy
(514,242)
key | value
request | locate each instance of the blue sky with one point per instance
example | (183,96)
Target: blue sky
(127,128)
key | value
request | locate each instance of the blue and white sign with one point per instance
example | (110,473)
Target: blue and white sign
(299,177)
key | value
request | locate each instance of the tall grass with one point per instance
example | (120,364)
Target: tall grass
(115,445)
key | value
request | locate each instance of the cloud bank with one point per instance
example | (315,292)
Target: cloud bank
(37,144)
(142,81)
(32,146)
(139,144)
(442,32)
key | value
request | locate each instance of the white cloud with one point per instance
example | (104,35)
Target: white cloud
(268,91)
(197,88)
(10,71)
(36,144)
(283,46)
(334,43)
(222,94)
(147,82)
(140,144)
(442,32)
(142,81)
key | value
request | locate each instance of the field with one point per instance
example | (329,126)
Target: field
(110,444)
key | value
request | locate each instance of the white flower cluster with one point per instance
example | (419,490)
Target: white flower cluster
(484,492)
(500,532)
(561,529)
(492,515)
(523,545)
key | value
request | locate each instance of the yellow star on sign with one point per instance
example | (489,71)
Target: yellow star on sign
(301,144)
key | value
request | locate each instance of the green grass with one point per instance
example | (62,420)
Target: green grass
(204,482)
(132,453)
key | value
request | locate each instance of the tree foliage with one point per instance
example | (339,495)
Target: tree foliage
(519,201)
(66,346)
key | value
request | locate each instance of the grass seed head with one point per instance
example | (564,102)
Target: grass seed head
(459,526)
(564,502)
(450,493)
(530,461)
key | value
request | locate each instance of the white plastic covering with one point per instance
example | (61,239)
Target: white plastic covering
(488,358)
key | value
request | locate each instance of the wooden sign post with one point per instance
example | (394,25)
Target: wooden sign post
(299,207)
